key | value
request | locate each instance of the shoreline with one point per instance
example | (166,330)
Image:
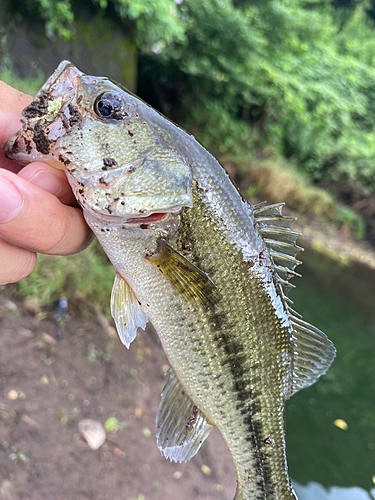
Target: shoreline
(336,244)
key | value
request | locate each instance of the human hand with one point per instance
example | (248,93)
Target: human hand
(38,212)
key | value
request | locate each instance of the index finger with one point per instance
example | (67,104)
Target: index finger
(12,102)
(37,221)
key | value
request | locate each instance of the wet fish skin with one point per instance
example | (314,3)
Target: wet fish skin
(204,267)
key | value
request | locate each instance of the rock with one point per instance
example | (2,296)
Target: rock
(48,339)
(30,421)
(93,432)
(25,332)
(206,470)
(10,305)
(6,490)
(32,307)
(119,452)
(12,395)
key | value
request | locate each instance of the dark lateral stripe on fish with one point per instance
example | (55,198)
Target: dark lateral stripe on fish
(234,356)
(241,387)
(248,400)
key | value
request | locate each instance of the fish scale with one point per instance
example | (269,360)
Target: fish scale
(196,347)
(208,270)
(224,346)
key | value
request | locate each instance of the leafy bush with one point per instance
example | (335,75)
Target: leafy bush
(290,70)
(298,72)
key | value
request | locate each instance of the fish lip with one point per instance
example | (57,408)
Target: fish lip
(152,218)
(63,81)
(10,147)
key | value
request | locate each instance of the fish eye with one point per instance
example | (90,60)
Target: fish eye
(110,105)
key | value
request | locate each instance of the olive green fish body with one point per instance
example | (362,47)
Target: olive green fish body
(243,360)
(209,271)
(241,366)
(230,350)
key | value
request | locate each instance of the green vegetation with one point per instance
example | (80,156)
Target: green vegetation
(88,272)
(294,71)
(295,74)
(113,425)
(28,86)
(7,74)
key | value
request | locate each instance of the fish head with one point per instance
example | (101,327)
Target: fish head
(108,141)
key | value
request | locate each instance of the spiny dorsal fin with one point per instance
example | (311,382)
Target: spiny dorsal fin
(313,351)
(181,427)
(280,240)
(126,311)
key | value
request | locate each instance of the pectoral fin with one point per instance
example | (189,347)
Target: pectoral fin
(182,274)
(181,427)
(126,311)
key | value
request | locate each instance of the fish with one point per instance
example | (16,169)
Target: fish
(208,270)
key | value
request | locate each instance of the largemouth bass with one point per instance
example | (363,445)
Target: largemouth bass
(208,270)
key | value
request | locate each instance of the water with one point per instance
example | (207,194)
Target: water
(315,491)
(327,462)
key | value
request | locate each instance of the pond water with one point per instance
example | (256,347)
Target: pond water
(331,425)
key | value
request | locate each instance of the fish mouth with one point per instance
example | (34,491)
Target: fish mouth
(44,121)
(149,219)
(152,220)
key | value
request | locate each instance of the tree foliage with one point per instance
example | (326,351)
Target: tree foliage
(298,71)
(296,74)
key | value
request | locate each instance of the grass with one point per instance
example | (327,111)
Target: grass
(275,180)
(29,85)
(88,272)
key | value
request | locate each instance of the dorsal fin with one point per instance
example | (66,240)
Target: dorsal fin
(280,240)
(313,351)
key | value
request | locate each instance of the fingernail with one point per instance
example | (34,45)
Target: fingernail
(11,200)
(49,182)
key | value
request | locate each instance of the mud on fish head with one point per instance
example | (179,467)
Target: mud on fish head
(120,167)
(47,119)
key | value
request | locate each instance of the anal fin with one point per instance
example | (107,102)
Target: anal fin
(181,427)
(126,311)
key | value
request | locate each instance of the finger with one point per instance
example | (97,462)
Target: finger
(37,221)
(50,179)
(12,102)
(16,263)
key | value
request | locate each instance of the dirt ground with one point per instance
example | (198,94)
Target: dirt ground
(49,381)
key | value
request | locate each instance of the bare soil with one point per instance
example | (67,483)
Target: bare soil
(50,380)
